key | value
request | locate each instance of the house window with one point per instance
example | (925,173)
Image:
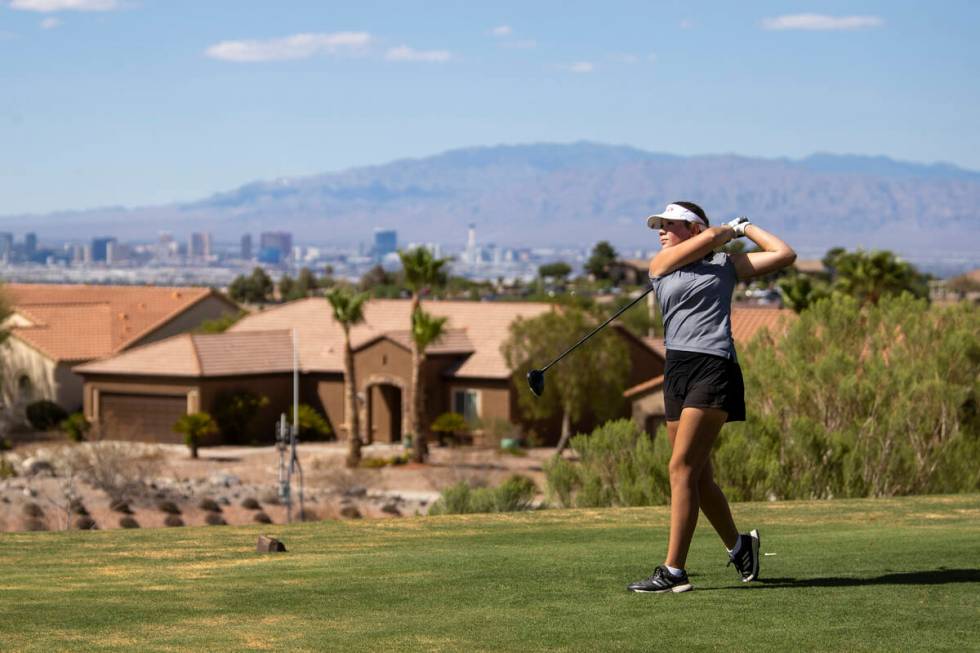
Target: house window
(25,389)
(467,403)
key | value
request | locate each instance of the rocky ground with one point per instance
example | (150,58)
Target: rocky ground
(51,485)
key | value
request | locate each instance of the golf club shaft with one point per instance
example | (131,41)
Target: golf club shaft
(598,328)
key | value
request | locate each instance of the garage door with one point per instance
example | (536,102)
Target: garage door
(144,418)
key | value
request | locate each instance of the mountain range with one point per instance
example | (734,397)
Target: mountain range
(577,194)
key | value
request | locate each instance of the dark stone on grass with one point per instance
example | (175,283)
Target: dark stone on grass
(33,510)
(261,518)
(173,520)
(269,545)
(215,519)
(129,522)
(168,507)
(85,523)
(251,504)
(120,506)
(210,505)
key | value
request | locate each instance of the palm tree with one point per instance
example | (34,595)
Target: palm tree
(195,427)
(426,330)
(423,271)
(348,310)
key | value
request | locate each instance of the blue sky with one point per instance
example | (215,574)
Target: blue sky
(131,102)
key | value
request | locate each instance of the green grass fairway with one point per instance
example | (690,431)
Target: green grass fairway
(881,575)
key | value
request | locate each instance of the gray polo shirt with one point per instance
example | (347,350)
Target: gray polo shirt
(696,302)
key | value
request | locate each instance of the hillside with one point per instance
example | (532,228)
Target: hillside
(547,195)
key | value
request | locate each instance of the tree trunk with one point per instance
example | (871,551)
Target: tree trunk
(193,445)
(350,406)
(566,433)
(420,443)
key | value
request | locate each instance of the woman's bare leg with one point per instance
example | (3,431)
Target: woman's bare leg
(714,505)
(696,432)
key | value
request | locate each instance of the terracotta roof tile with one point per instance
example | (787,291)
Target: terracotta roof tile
(486,326)
(81,322)
(197,355)
(453,341)
(749,320)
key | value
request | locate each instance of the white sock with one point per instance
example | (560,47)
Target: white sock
(674,571)
(738,545)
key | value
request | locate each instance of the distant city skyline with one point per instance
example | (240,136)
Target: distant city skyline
(108,102)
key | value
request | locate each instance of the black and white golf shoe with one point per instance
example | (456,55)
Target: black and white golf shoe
(661,581)
(746,559)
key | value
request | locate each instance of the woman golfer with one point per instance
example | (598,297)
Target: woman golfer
(702,380)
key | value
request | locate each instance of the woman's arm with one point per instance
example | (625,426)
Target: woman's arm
(692,249)
(775,255)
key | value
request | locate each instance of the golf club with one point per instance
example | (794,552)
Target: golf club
(535,378)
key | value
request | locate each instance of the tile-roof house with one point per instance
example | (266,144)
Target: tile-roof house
(647,398)
(55,327)
(465,371)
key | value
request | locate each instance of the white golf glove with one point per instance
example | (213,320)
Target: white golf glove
(738,225)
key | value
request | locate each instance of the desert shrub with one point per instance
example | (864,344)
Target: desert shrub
(77,507)
(128,522)
(120,469)
(312,425)
(261,518)
(120,506)
(34,524)
(512,495)
(5,444)
(271,498)
(85,523)
(7,469)
(859,400)
(215,519)
(250,503)
(234,412)
(619,465)
(44,415)
(209,504)
(32,510)
(173,521)
(374,463)
(448,425)
(168,507)
(75,427)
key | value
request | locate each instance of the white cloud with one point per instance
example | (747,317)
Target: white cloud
(820,22)
(501,31)
(581,67)
(50,23)
(48,6)
(297,46)
(405,53)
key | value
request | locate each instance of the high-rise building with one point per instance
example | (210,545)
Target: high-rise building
(247,247)
(199,246)
(100,247)
(30,244)
(280,241)
(6,244)
(385,242)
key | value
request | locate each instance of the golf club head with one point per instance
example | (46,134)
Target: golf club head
(535,380)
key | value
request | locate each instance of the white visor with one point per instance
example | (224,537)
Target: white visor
(674,212)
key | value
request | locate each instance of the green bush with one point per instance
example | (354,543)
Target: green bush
(75,427)
(234,412)
(44,415)
(7,469)
(312,425)
(619,465)
(859,400)
(514,494)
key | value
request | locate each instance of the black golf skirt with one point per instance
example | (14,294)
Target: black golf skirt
(703,381)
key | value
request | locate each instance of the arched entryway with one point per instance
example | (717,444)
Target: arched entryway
(385,411)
